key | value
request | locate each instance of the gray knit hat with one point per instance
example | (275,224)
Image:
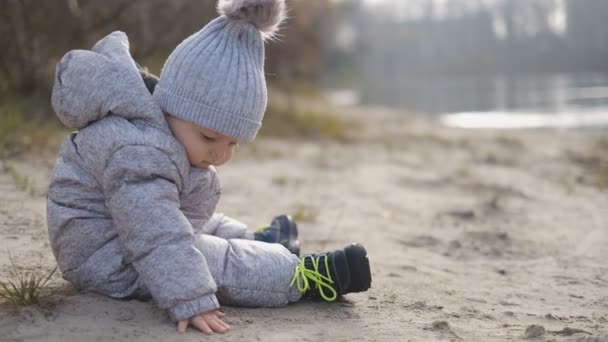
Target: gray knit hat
(215,77)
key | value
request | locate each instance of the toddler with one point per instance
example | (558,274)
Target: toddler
(133,193)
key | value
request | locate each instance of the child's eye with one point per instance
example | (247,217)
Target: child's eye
(208,138)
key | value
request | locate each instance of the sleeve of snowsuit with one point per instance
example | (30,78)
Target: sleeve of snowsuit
(141,189)
(225,227)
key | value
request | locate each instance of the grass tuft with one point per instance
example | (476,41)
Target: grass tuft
(280,181)
(594,165)
(21,181)
(601,175)
(23,288)
(305,214)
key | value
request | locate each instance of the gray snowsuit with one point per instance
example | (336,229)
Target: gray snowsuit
(129,217)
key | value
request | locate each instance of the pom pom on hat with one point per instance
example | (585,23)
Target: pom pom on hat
(265,15)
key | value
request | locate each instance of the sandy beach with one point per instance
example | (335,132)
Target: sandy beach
(473,235)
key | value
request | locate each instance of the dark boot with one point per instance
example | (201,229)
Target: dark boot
(284,230)
(332,274)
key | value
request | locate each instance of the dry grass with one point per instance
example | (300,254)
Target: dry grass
(19,135)
(292,123)
(601,175)
(594,164)
(280,181)
(24,287)
(305,213)
(21,181)
(463,172)
(597,165)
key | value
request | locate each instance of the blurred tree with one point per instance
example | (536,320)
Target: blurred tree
(26,28)
(35,34)
(586,33)
(295,55)
(425,37)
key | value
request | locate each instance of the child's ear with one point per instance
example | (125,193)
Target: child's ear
(150,80)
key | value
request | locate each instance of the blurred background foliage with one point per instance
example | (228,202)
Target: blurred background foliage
(435,56)
(35,34)
(328,41)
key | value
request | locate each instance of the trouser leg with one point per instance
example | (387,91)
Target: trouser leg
(250,273)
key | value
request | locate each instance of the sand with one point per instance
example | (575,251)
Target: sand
(472,235)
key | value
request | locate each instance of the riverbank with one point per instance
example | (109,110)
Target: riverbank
(473,235)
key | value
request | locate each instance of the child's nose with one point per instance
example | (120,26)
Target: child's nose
(218,156)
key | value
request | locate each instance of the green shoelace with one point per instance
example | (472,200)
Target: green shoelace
(303,276)
(262,229)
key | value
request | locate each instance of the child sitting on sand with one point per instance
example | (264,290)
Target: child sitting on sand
(132,196)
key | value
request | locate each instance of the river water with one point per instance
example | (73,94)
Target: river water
(578,100)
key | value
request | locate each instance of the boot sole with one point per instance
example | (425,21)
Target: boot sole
(290,228)
(358,265)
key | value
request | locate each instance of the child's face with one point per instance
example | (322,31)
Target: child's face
(203,146)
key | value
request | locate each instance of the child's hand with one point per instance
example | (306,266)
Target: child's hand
(208,322)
